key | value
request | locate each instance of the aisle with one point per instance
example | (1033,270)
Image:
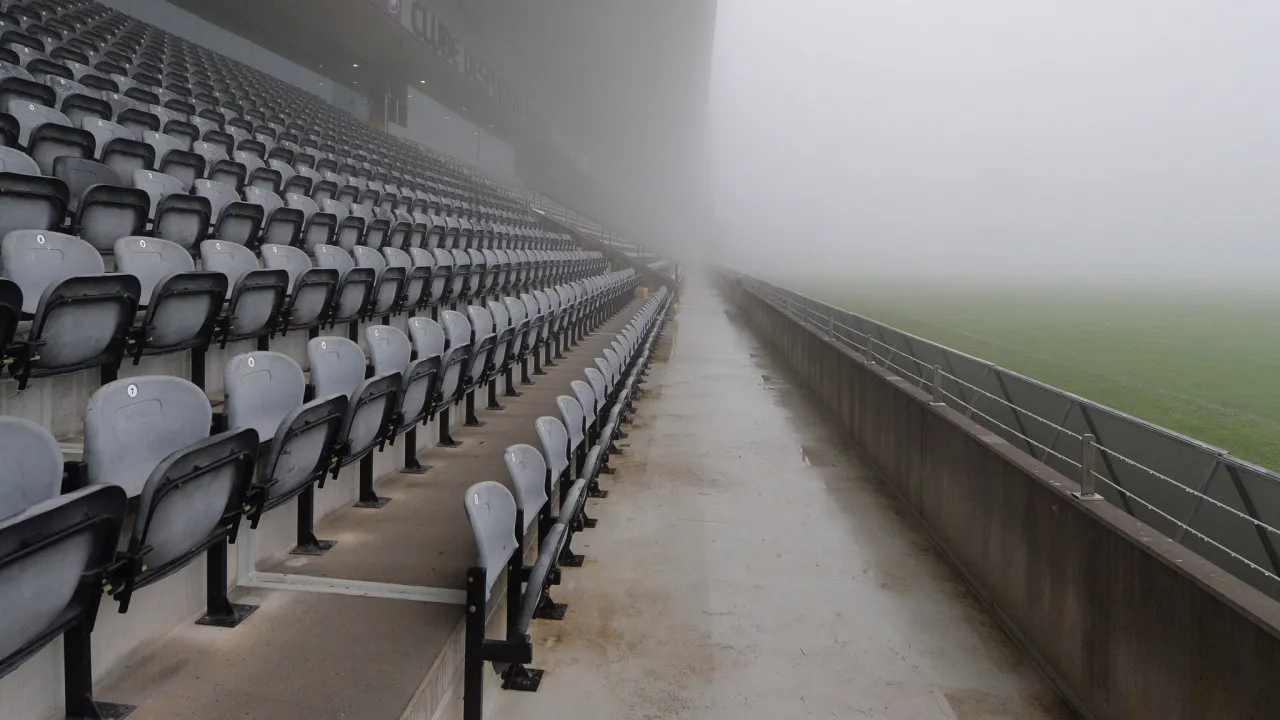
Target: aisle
(747,566)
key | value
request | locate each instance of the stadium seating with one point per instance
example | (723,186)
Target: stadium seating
(163,203)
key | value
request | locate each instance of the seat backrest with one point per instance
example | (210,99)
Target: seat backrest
(39,259)
(457,330)
(263,197)
(598,385)
(288,258)
(219,194)
(528,473)
(337,366)
(370,258)
(428,337)
(389,349)
(230,259)
(13,160)
(131,425)
(555,446)
(32,463)
(262,388)
(301,202)
(492,512)
(573,416)
(151,260)
(332,256)
(586,397)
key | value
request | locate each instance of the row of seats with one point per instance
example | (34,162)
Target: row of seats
(83,317)
(194,474)
(551,486)
(211,142)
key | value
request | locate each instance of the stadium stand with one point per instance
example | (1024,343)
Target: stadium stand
(163,203)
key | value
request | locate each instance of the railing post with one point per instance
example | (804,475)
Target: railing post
(831,325)
(871,350)
(1088,460)
(937,385)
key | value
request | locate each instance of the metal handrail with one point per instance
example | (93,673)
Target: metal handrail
(1225,508)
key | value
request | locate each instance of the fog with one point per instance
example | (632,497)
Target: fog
(1081,138)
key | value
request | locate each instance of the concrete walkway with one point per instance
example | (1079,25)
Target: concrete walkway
(748,566)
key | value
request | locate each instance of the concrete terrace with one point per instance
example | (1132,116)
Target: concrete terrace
(386,644)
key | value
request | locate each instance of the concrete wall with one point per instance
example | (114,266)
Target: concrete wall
(1127,623)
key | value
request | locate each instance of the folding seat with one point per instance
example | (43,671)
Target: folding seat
(312,289)
(388,296)
(496,521)
(173,157)
(377,233)
(390,351)
(248,144)
(301,182)
(349,193)
(400,232)
(324,190)
(150,436)
(354,296)
(491,277)
(477,275)
(81,315)
(255,296)
(461,276)
(176,216)
(28,200)
(265,392)
(118,148)
(453,365)
(283,224)
(319,228)
(518,313)
(441,287)
(182,305)
(585,462)
(54,557)
(47,134)
(105,208)
(265,178)
(503,352)
(236,221)
(480,366)
(338,367)
(452,229)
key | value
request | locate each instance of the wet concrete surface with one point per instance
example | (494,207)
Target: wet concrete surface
(748,565)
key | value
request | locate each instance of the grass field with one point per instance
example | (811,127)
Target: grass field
(1202,361)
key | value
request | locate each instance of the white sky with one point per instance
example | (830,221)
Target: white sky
(1076,137)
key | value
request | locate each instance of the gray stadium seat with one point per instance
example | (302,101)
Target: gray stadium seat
(150,436)
(54,558)
(81,315)
(320,228)
(353,298)
(183,305)
(255,296)
(390,351)
(338,368)
(493,515)
(265,392)
(33,467)
(311,291)
(389,286)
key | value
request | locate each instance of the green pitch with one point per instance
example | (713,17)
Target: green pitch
(1204,362)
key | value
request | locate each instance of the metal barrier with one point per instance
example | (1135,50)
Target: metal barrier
(1224,508)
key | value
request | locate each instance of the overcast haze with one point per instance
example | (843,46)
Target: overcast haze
(1016,136)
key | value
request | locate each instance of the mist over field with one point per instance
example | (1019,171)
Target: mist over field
(1089,140)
